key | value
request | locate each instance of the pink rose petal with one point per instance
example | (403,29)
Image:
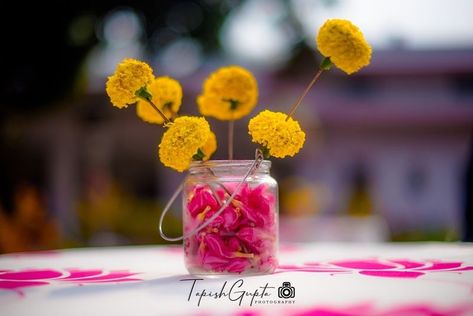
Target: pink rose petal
(200,200)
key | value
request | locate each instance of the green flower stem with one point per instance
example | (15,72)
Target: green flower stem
(199,156)
(145,95)
(231,130)
(325,65)
(265,152)
(231,126)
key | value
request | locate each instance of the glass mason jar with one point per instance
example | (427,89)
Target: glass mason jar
(243,238)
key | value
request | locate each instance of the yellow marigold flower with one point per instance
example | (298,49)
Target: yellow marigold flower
(166,95)
(210,147)
(344,44)
(183,139)
(280,136)
(228,93)
(130,75)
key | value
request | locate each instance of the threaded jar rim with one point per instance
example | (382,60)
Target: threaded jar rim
(218,166)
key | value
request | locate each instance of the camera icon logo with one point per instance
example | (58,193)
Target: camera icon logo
(286,290)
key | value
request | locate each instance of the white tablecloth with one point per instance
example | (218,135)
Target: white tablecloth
(325,279)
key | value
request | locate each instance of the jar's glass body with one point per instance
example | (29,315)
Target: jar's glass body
(243,239)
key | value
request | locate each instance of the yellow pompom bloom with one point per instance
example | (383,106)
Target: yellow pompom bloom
(228,93)
(166,95)
(184,137)
(209,147)
(130,75)
(282,138)
(344,44)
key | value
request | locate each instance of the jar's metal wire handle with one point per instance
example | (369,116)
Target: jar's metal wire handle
(254,166)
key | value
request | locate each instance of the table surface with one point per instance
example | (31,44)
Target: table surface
(325,279)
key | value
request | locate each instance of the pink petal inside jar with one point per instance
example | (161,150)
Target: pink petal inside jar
(242,239)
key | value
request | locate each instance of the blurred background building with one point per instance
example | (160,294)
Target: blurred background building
(388,154)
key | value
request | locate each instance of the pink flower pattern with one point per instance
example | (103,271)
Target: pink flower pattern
(394,268)
(370,309)
(243,238)
(15,280)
